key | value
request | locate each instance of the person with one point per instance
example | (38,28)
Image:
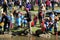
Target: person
(14,12)
(11,21)
(43,25)
(20,4)
(50,26)
(21,18)
(44,9)
(35,20)
(28,17)
(47,4)
(4,6)
(39,5)
(27,1)
(47,24)
(40,16)
(55,26)
(52,15)
(10,4)
(53,3)
(56,17)
(6,21)
(18,21)
(1,2)
(28,5)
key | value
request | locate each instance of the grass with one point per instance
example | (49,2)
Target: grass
(35,12)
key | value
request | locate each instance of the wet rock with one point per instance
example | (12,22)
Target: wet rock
(25,32)
(19,33)
(38,32)
(45,35)
(5,36)
(14,33)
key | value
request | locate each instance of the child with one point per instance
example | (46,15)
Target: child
(12,20)
(50,24)
(35,20)
(43,25)
(52,15)
(18,21)
(47,24)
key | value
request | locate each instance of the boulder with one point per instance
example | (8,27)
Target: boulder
(38,32)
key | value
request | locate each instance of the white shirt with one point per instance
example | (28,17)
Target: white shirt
(27,1)
(20,2)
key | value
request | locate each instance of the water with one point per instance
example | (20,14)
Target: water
(30,37)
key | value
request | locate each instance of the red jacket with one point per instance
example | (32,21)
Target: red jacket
(43,26)
(48,3)
(35,18)
(36,1)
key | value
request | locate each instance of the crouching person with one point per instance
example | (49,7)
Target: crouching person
(18,21)
(43,26)
(6,21)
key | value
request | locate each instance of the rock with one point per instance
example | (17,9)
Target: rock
(45,36)
(25,32)
(6,36)
(38,32)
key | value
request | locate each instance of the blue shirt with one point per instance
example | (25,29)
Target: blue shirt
(18,21)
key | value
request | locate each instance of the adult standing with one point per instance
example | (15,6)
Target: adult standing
(28,17)
(40,16)
(4,7)
(39,4)
(6,21)
(48,4)
(20,4)
(53,3)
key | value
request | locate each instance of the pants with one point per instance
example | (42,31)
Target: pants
(55,30)
(5,26)
(28,24)
(52,6)
(50,27)
(35,23)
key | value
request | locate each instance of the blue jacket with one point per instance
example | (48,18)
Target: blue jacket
(28,5)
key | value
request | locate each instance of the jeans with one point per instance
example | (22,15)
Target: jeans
(52,6)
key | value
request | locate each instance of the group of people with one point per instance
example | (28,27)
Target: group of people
(17,17)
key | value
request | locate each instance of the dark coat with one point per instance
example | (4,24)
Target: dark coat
(5,19)
(28,16)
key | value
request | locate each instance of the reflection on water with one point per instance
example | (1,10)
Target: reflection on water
(30,37)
